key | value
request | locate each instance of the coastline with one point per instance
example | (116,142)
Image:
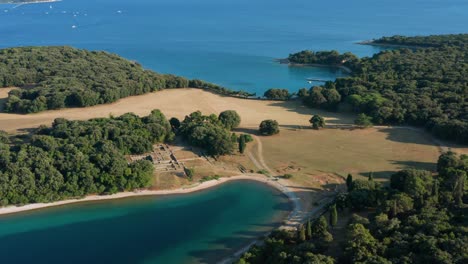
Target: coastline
(291,64)
(372,43)
(183,190)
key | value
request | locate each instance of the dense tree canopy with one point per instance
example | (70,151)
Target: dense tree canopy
(59,77)
(76,158)
(420,86)
(425,41)
(412,222)
(208,132)
(277,94)
(321,57)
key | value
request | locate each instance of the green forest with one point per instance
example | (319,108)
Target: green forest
(60,77)
(425,41)
(76,158)
(322,57)
(419,218)
(211,132)
(422,86)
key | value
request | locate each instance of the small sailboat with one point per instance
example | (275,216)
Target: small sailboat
(73,26)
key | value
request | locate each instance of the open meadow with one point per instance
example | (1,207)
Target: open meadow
(175,103)
(314,158)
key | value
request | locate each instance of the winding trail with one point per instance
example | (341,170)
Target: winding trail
(295,218)
(297,215)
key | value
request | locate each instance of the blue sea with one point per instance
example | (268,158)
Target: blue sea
(231,43)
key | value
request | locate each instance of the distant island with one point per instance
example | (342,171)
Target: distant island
(433,41)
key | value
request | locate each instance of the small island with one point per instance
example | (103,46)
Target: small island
(433,41)
(320,59)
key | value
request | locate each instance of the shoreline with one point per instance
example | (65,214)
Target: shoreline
(341,67)
(10,210)
(292,64)
(372,43)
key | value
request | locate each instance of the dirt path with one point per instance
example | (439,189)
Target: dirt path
(298,215)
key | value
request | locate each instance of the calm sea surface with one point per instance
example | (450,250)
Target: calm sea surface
(232,43)
(199,227)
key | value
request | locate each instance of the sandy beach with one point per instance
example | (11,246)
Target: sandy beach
(183,190)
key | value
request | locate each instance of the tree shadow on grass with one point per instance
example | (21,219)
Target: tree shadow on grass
(252,131)
(297,107)
(404,165)
(378,175)
(430,166)
(411,135)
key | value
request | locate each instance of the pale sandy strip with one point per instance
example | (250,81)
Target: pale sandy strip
(198,187)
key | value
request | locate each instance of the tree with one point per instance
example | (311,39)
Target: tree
(302,93)
(456,184)
(302,233)
(269,127)
(447,161)
(363,120)
(190,172)
(309,229)
(230,119)
(333,215)
(371,176)
(315,98)
(242,144)
(416,183)
(175,123)
(349,182)
(360,244)
(277,94)
(399,203)
(333,98)
(317,122)
(320,233)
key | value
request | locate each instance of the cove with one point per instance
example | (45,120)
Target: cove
(201,227)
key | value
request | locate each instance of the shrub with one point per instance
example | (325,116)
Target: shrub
(269,127)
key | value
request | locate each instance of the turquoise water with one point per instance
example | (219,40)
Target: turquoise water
(232,43)
(199,227)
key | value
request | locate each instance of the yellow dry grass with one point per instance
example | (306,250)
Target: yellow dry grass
(304,152)
(176,103)
(314,157)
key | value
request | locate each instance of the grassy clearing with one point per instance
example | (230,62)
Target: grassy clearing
(318,157)
(177,103)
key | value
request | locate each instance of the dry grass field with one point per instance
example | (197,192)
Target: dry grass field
(315,157)
(175,103)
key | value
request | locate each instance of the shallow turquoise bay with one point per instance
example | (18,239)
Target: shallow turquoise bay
(199,227)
